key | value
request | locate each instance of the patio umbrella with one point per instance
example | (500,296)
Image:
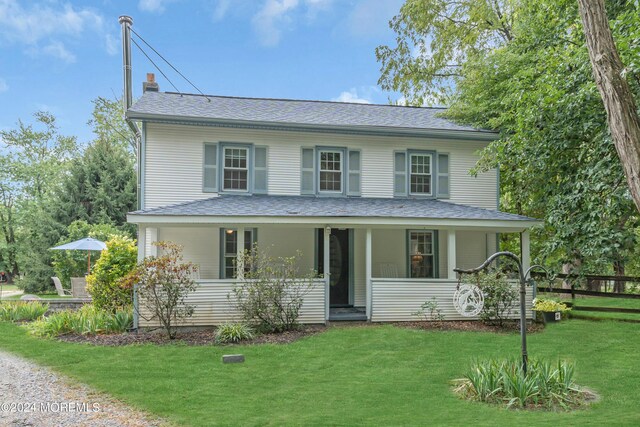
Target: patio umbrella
(87,244)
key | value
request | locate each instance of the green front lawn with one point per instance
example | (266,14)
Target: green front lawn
(379,375)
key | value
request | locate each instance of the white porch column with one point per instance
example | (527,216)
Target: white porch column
(451,254)
(142,241)
(153,237)
(327,269)
(240,253)
(367,269)
(525,250)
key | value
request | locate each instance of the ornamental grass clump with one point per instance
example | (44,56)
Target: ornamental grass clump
(233,333)
(22,311)
(88,320)
(545,385)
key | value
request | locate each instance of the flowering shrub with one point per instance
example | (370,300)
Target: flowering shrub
(541,304)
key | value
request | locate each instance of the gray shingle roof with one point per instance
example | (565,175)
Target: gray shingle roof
(170,105)
(302,206)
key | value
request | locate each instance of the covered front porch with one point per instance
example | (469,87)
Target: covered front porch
(385,257)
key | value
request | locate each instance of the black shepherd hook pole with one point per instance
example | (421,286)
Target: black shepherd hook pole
(523,292)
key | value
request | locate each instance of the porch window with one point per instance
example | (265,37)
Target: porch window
(421,260)
(236,169)
(420,174)
(331,171)
(230,250)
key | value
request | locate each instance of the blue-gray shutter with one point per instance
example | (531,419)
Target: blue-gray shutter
(443,176)
(400,173)
(210,168)
(260,185)
(353,179)
(307,177)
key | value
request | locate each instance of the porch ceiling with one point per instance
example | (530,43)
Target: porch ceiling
(361,211)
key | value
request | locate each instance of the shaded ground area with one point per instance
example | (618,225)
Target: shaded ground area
(34,396)
(472,326)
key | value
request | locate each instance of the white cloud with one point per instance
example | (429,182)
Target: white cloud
(351,96)
(221,9)
(3,85)
(58,50)
(276,15)
(112,44)
(44,26)
(153,6)
(370,18)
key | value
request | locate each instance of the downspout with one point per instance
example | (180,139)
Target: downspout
(126,22)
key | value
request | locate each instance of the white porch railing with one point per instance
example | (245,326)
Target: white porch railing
(212,307)
(396,299)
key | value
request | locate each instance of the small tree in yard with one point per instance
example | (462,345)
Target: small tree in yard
(500,296)
(272,291)
(163,284)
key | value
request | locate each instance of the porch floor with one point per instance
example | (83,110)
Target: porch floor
(346,314)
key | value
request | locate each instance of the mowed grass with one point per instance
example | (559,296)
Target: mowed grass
(375,375)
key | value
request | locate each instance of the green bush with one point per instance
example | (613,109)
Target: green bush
(68,264)
(233,332)
(504,382)
(500,296)
(88,320)
(105,284)
(272,292)
(22,311)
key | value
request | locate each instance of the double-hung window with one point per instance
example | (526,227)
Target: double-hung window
(331,166)
(420,177)
(333,171)
(235,168)
(420,174)
(421,253)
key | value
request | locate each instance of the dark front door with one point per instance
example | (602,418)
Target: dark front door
(338,265)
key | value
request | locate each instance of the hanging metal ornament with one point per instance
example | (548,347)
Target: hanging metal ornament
(468,300)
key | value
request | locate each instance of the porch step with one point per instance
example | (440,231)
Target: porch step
(347,315)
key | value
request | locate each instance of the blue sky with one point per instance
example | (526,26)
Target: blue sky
(59,55)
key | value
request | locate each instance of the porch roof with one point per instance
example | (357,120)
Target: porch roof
(239,208)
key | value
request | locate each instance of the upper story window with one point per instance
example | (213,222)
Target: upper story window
(237,168)
(330,171)
(421,174)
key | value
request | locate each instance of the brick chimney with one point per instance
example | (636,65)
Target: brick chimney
(150,85)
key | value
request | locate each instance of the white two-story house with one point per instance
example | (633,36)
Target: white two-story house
(381,194)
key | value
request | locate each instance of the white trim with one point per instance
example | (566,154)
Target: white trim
(240,253)
(142,242)
(326,266)
(451,254)
(525,250)
(367,268)
(514,226)
(340,171)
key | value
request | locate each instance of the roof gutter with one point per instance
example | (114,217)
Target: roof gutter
(298,127)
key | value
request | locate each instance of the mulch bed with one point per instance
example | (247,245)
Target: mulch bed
(472,326)
(200,337)
(208,336)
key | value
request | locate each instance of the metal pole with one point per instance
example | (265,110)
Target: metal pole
(523,293)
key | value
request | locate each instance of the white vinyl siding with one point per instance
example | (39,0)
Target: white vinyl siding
(174,157)
(396,300)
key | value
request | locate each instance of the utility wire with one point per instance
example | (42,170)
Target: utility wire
(168,63)
(155,65)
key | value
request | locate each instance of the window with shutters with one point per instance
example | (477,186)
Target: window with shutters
(234,168)
(421,174)
(421,254)
(229,250)
(330,171)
